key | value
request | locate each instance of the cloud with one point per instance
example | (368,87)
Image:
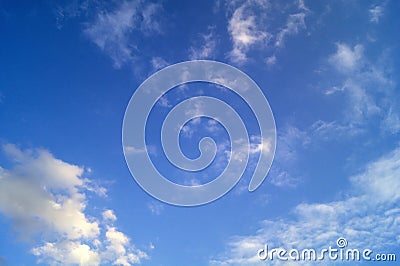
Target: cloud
(375,13)
(244,32)
(114,31)
(250,27)
(391,123)
(133,150)
(44,187)
(109,215)
(282,178)
(67,253)
(367,216)
(207,49)
(150,18)
(271,60)
(116,249)
(367,86)
(46,200)
(158,63)
(333,90)
(72,10)
(110,32)
(164,102)
(346,58)
(290,140)
(294,24)
(333,130)
(156,207)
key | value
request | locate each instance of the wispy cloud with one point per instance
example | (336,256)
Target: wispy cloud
(151,20)
(245,32)
(332,130)
(366,215)
(114,31)
(207,48)
(250,28)
(164,102)
(294,24)
(46,199)
(376,12)
(290,140)
(367,85)
(158,63)
(271,60)
(155,207)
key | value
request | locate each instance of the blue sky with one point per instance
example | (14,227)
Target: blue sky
(68,70)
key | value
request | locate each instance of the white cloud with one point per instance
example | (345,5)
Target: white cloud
(271,60)
(156,207)
(112,31)
(195,108)
(207,49)
(302,6)
(368,87)
(213,126)
(332,130)
(116,249)
(133,150)
(290,140)
(151,19)
(294,24)
(109,215)
(158,63)
(44,187)
(67,253)
(367,216)
(164,102)
(363,104)
(282,178)
(333,90)
(346,58)
(375,13)
(244,32)
(257,144)
(72,10)
(46,200)
(249,27)
(392,122)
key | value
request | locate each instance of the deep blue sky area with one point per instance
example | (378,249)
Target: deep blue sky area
(68,69)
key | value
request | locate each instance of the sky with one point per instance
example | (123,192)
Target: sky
(68,69)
